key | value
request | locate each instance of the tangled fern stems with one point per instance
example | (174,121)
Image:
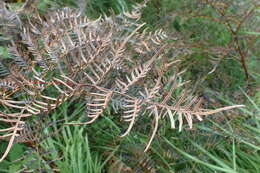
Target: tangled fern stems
(112,61)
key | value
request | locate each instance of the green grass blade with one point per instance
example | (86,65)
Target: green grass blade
(214,167)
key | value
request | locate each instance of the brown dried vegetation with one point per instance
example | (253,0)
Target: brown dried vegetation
(112,61)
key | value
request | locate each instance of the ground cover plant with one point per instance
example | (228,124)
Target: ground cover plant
(145,83)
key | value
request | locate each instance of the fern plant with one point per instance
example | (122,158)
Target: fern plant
(112,61)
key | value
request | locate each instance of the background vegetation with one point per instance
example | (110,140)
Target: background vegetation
(229,142)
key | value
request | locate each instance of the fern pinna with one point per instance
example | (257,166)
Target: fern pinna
(111,61)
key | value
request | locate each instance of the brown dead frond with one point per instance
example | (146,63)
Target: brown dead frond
(64,54)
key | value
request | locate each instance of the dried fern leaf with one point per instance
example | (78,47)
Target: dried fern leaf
(133,107)
(3,70)
(99,102)
(109,61)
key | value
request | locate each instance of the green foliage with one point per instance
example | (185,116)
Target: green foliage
(97,7)
(93,8)
(209,32)
(4,52)
(211,25)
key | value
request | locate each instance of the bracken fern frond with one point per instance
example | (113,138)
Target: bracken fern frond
(110,58)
